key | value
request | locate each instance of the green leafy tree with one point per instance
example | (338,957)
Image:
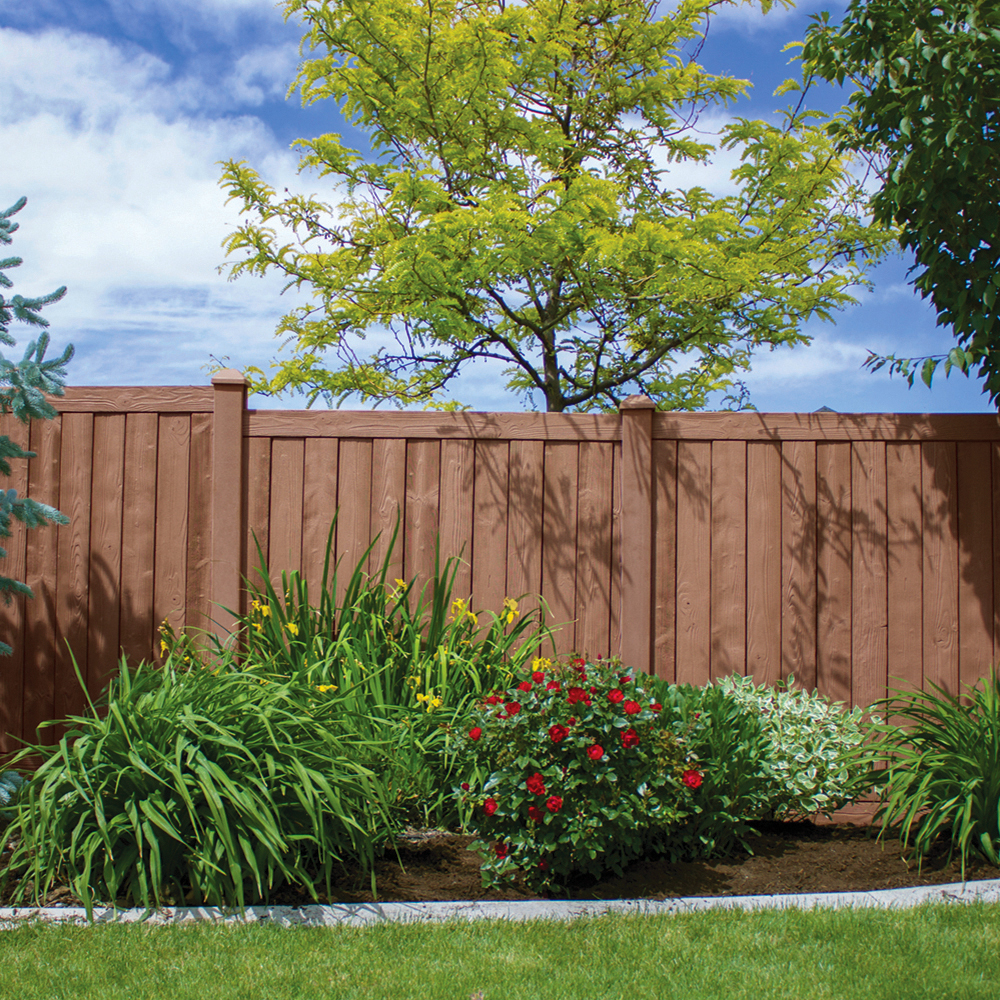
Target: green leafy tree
(22,392)
(518,207)
(927,115)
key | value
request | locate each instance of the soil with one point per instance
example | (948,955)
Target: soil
(787,858)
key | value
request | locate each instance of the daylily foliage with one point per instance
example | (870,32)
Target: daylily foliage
(520,206)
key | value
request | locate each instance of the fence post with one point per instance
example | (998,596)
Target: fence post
(637,533)
(227,496)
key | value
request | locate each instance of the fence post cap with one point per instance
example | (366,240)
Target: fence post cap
(229,376)
(637,402)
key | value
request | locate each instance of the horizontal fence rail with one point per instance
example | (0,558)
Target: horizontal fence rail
(855,552)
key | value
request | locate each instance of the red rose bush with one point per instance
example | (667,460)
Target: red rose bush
(583,774)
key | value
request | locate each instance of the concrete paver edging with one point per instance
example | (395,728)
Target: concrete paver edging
(368,914)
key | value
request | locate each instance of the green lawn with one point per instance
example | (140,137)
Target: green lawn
(932,952)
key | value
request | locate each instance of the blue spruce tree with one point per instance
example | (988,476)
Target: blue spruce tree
(22,389)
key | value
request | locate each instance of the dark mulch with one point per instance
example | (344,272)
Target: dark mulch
(787,858)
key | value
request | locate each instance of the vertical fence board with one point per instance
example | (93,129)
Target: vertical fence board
(559,539)
(524,556)
(173,462)
(457,489)
(388,500)
(975,551)
(354,492)
(199,609)
(104,585)
(12,667)
(136,626)
(869,610)
(904,525)
(834,594)
(41,562)
(257,477)
(423,500)
(764,562)
(729,554)
(995,449)
(665,559)
(694,561)
(798,532)
(940,570)
(616,549)
(319,506)
(593,550)
(489,534)
(284,544)
(75,470)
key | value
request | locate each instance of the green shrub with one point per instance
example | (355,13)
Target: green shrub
(812,748)
(210,786)
(942,774)
(730,745)
(582,777)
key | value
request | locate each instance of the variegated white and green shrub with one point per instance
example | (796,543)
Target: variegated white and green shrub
(813,747)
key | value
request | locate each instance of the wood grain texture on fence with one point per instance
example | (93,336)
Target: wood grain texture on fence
(857,552)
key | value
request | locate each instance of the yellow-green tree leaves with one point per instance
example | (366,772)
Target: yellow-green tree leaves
(520,207)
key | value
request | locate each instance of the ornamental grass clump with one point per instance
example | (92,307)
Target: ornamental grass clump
(942,769)
(195,785)
(582,777)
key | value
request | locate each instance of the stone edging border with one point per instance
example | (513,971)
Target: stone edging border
(368,914)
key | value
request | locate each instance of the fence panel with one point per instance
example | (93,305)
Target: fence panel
(857,552)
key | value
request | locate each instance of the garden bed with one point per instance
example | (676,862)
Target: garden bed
(788,858)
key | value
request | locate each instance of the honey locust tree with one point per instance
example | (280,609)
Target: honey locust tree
(926,113)
(518,205)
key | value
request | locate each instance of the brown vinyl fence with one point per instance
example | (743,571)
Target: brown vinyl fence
(843,549)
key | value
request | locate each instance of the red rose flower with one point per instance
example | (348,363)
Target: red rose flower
(553,686)
(554,804)
(593,690)
(632,708)
(692,779)
(656,706)
(524,686)
(615,695)
(475,733)
(558,733)
(579,662)
(535,813)
(630,738)
(578,694)
(512,707)
(494,699)
(490,807)
(538,677)
(571,722)
(536,784)
(501,850)
(596,752)
(624,678)
(465,786)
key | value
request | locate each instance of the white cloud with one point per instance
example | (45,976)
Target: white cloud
(125,209)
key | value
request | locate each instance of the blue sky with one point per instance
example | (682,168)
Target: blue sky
(115,113)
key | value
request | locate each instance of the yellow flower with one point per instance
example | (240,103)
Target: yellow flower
(292,627)
(163,648)
(323,688)
(258,626)
(265,610)
(509,609)
(541,663)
